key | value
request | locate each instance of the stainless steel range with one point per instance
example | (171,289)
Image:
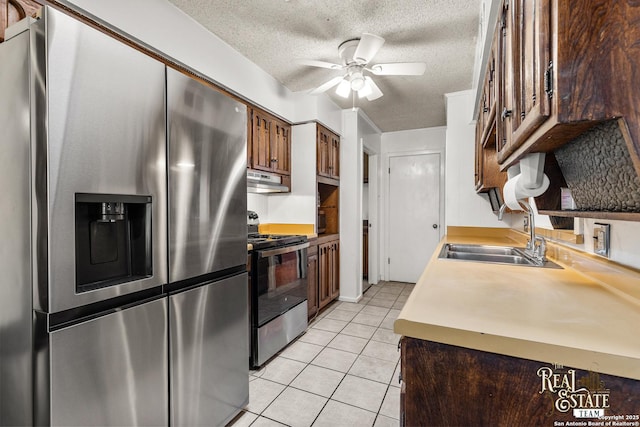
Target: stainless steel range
(278,293)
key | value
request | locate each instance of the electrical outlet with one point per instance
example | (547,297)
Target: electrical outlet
(526,224)
(601,237)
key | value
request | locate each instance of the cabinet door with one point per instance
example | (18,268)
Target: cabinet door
(505,102)
(334,161)
(323,145)
(335,270)
(312,277)
(280,147)
(478,164)
(261,141)
(324,274)
(531,52)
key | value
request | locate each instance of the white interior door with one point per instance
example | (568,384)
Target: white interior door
(414,214)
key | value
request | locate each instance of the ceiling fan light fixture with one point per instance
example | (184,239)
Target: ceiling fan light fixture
(365,91)
(357,81)
(343,89)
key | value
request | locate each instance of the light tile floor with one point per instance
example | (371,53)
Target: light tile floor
(342,372)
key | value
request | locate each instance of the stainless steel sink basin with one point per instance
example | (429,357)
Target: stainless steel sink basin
(491,254)
(483,249)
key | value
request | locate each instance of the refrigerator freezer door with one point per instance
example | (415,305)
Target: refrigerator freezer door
(105,134)
(207,179)
(209,330)
(15,229)
(112,370)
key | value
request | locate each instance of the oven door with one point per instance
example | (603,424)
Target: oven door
(280,281)
(278,300)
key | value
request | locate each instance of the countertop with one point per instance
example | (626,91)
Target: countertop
(585,315)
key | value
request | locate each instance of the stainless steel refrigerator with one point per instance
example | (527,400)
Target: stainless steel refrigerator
(83,255)
(208,290)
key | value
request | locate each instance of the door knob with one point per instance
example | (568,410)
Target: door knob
(435,225)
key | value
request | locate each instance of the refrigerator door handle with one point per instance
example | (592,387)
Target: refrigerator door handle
(280,251)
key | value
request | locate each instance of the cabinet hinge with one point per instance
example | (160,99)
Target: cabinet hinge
(389,170)
(548,80)
(388,260)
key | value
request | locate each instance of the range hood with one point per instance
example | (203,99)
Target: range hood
(263,182)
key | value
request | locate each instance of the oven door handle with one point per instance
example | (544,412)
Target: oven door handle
(280,251)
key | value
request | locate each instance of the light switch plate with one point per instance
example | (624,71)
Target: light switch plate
(601,239)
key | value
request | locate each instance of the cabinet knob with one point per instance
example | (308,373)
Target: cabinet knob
(435,225)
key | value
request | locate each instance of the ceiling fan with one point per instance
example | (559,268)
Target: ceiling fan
(356,54)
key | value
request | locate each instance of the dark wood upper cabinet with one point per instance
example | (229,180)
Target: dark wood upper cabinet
(269,143)
(524,52)
(328,153)
(559,69)
(566,65)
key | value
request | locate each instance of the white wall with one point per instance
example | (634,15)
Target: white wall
(161,26)
(356,128)
(463,206)
(299,206)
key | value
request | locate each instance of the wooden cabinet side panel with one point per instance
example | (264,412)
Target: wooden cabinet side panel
(335,156)
(335,270)
(452,386)
(312,277)
(323,275)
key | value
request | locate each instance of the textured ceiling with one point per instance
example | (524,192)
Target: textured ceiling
(274,33)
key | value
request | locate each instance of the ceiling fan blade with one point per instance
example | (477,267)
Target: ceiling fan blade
(321,64)
(400,69)
(375,90)
(326,86)
(369,45)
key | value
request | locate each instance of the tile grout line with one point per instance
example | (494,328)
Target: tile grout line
(389,387)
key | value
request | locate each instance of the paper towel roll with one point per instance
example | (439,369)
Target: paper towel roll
(509,193)
(514,191)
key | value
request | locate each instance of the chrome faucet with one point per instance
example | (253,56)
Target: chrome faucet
(537,245)
(501,213)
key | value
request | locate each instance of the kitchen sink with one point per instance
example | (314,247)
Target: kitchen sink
(483,249)
(492,254)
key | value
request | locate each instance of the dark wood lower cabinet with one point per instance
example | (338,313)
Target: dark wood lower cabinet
(328,271)
(445,385)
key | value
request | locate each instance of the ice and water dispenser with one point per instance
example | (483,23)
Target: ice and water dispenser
(113,239)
